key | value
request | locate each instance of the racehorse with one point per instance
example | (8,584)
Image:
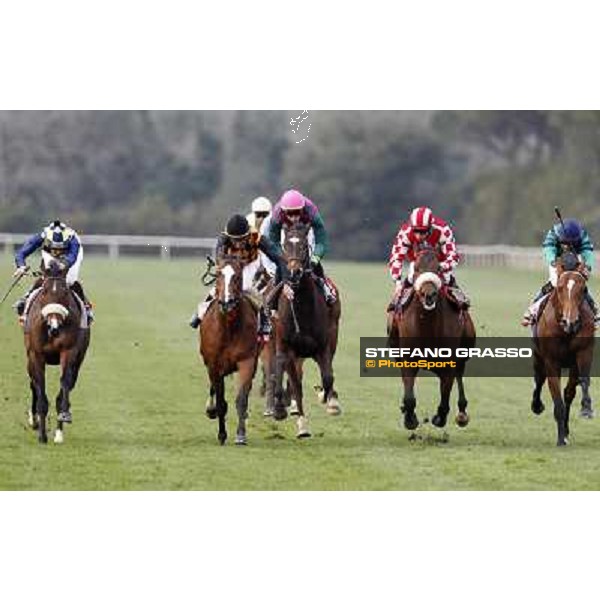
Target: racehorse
(564,338)
(228,343)
(306,327)
(56,332)
(430,319)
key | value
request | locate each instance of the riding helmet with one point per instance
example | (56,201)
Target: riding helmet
(237,227)
(571,232)
(57,236)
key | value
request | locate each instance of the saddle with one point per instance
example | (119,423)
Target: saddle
(83,321)
(457,298)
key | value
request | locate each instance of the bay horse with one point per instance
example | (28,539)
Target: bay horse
(564,338)
(430,320)
(56,333)
(306,327)
(229,343)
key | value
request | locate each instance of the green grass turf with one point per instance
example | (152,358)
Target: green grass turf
(139,405)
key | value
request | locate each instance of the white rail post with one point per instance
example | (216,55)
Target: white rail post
(113,249)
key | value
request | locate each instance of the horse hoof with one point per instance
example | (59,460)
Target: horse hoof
(268,412)
(59,438)
(561,443)
(438,421)
(43,439)
(280,414)
(211,412)
(320,393)
(64,417)
(462,419)
(294,408)
(333,408)
(410,421)
(241,440)
(303,431)
(33,420)
(222,437)
(586,413)
(537,408)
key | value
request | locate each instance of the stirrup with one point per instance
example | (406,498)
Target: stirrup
(527,320)
(195,321)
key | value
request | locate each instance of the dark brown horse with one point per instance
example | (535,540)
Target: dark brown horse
(430,320)
(564,338)
(305,328)
(229,343)
(55,334)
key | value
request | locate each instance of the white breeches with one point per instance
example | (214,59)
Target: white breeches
(248,274)
(73,272)
(552,275)
(267,264)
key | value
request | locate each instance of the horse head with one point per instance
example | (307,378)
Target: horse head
(297,251)
(229,282)
(55,296)
(570,290)
(427,282)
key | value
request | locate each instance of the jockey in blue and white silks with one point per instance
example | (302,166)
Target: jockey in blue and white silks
(56,241)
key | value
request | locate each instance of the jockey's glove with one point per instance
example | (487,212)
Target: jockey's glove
(315,259)
(20,271)
(398,285)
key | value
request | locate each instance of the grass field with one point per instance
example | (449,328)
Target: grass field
(139,406)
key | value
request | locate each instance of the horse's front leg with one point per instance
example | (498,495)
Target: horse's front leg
(295,381)
(268,369)
(462,418)
(325,362)
(568,395)
(409,400)
(246,371)
(279,409)
(32,418)
(36,367)
(559,409)
(441,417)
(586,412)
(584,364)
(218,383)
(63,405)
(539,376)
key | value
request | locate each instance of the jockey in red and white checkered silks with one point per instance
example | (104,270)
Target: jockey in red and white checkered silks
(424,230)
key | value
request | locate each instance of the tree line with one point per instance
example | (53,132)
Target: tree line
(495,175)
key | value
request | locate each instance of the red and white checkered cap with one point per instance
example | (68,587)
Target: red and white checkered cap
(421,218)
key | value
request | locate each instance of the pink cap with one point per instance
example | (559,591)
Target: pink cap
(292,200)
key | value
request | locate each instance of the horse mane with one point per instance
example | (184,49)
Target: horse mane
(428,257)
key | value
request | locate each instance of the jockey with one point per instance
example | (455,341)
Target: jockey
(573,237)
(57,241)
(293,208)
(239,240)
(424,229)
(258,220)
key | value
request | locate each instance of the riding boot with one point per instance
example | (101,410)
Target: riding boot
(530,315)
(594,307)
(21,303)
(78,289)
(395,302)
(325,290)
(265,327)
(201,311)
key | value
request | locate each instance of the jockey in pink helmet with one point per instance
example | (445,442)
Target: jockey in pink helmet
(425,229)
(292,208)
